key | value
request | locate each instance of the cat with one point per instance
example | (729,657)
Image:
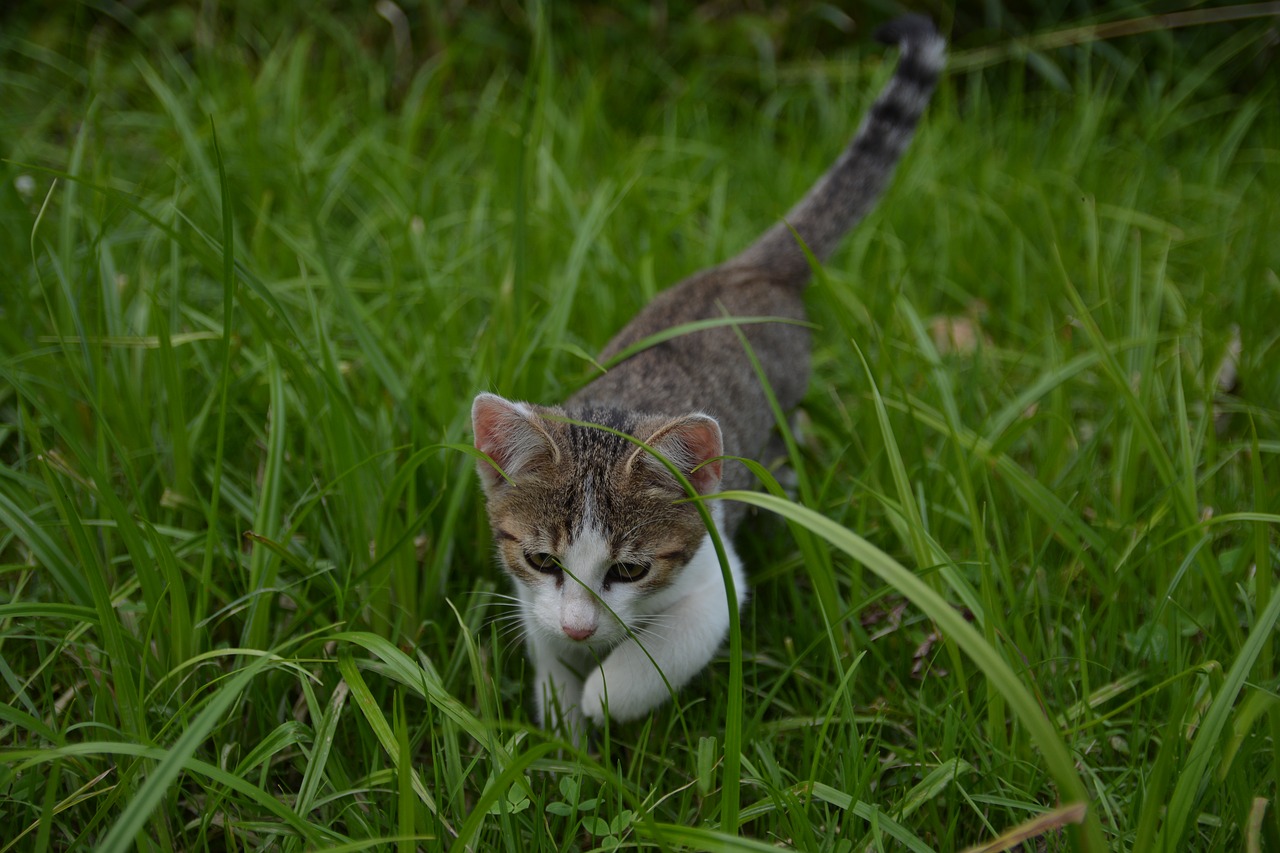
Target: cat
(620,593)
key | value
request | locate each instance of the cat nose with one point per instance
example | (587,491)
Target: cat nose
(578,633)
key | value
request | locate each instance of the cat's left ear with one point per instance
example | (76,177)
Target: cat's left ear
(511,435)
(692,443)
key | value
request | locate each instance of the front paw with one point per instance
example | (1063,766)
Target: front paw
(593,695)
(628,689)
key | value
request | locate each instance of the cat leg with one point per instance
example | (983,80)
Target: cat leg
(557,688)
(681,645)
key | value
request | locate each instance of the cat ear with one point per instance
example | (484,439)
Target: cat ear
(690,442)
(509,433)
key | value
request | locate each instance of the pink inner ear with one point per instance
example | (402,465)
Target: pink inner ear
(689,443)
(703,440)
(504,433)
(485,422)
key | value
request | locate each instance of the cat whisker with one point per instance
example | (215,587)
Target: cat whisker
(509,630)
(503,604)
(504,621)
(654,617)
(499,599)
(645,631)
(507,617)
(497,596)
(513,628)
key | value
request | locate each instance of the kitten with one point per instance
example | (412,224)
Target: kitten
(614,574)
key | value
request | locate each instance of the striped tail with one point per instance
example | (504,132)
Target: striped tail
(853,184)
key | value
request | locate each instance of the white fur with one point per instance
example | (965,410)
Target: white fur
(680,627)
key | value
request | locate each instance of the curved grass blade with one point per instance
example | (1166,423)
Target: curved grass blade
(31,758)
(932,785)
(426,684)
(1195,775)
(50,555)
(152,792)
(1034,828)
(689,328)
(29,722)
(1051,509)
(48,610)
(382,729)
(325,732)
(1058,760)
(869,813)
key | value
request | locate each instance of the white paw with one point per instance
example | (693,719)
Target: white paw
(630,692)
(592,703)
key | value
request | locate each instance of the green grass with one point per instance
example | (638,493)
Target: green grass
(257,268)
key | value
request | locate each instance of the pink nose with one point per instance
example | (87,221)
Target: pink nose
(578,633)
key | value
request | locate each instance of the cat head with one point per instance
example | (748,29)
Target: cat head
(587,522)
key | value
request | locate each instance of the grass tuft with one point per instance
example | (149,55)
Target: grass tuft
(258,265)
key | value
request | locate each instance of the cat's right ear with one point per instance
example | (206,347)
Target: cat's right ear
(692,443)
(509,434)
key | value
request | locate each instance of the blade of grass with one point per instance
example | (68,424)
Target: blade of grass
(1034,828)
(154,790)
(1181,487)
(50,555)
(1195,775)
(222,389)
(378,723)
(82,794)
(918,538)
(1051,509)
(425,683)
(404,786)
(1057,759)
(933,784)
(327,729)
(1263,589)
(31,758)
(263,565)
(691,327)
(353,312)
(118,652)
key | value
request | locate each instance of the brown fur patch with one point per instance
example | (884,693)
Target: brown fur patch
(640,509)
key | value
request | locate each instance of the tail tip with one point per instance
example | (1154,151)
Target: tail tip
(907,29)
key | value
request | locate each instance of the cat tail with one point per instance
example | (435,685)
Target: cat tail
(852,185)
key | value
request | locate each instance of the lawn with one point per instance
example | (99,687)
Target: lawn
(258,263)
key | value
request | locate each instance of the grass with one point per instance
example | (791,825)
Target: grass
(258,267)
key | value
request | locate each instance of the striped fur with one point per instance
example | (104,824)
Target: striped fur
(839,200)
(605,555)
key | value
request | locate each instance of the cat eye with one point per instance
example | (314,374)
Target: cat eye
(543,562)
(626,572)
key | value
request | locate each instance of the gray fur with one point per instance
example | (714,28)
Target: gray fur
(708,371)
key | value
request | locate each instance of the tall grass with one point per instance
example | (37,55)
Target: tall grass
(257,267)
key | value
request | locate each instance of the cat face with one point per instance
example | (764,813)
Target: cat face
(587,584)
(591,527)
